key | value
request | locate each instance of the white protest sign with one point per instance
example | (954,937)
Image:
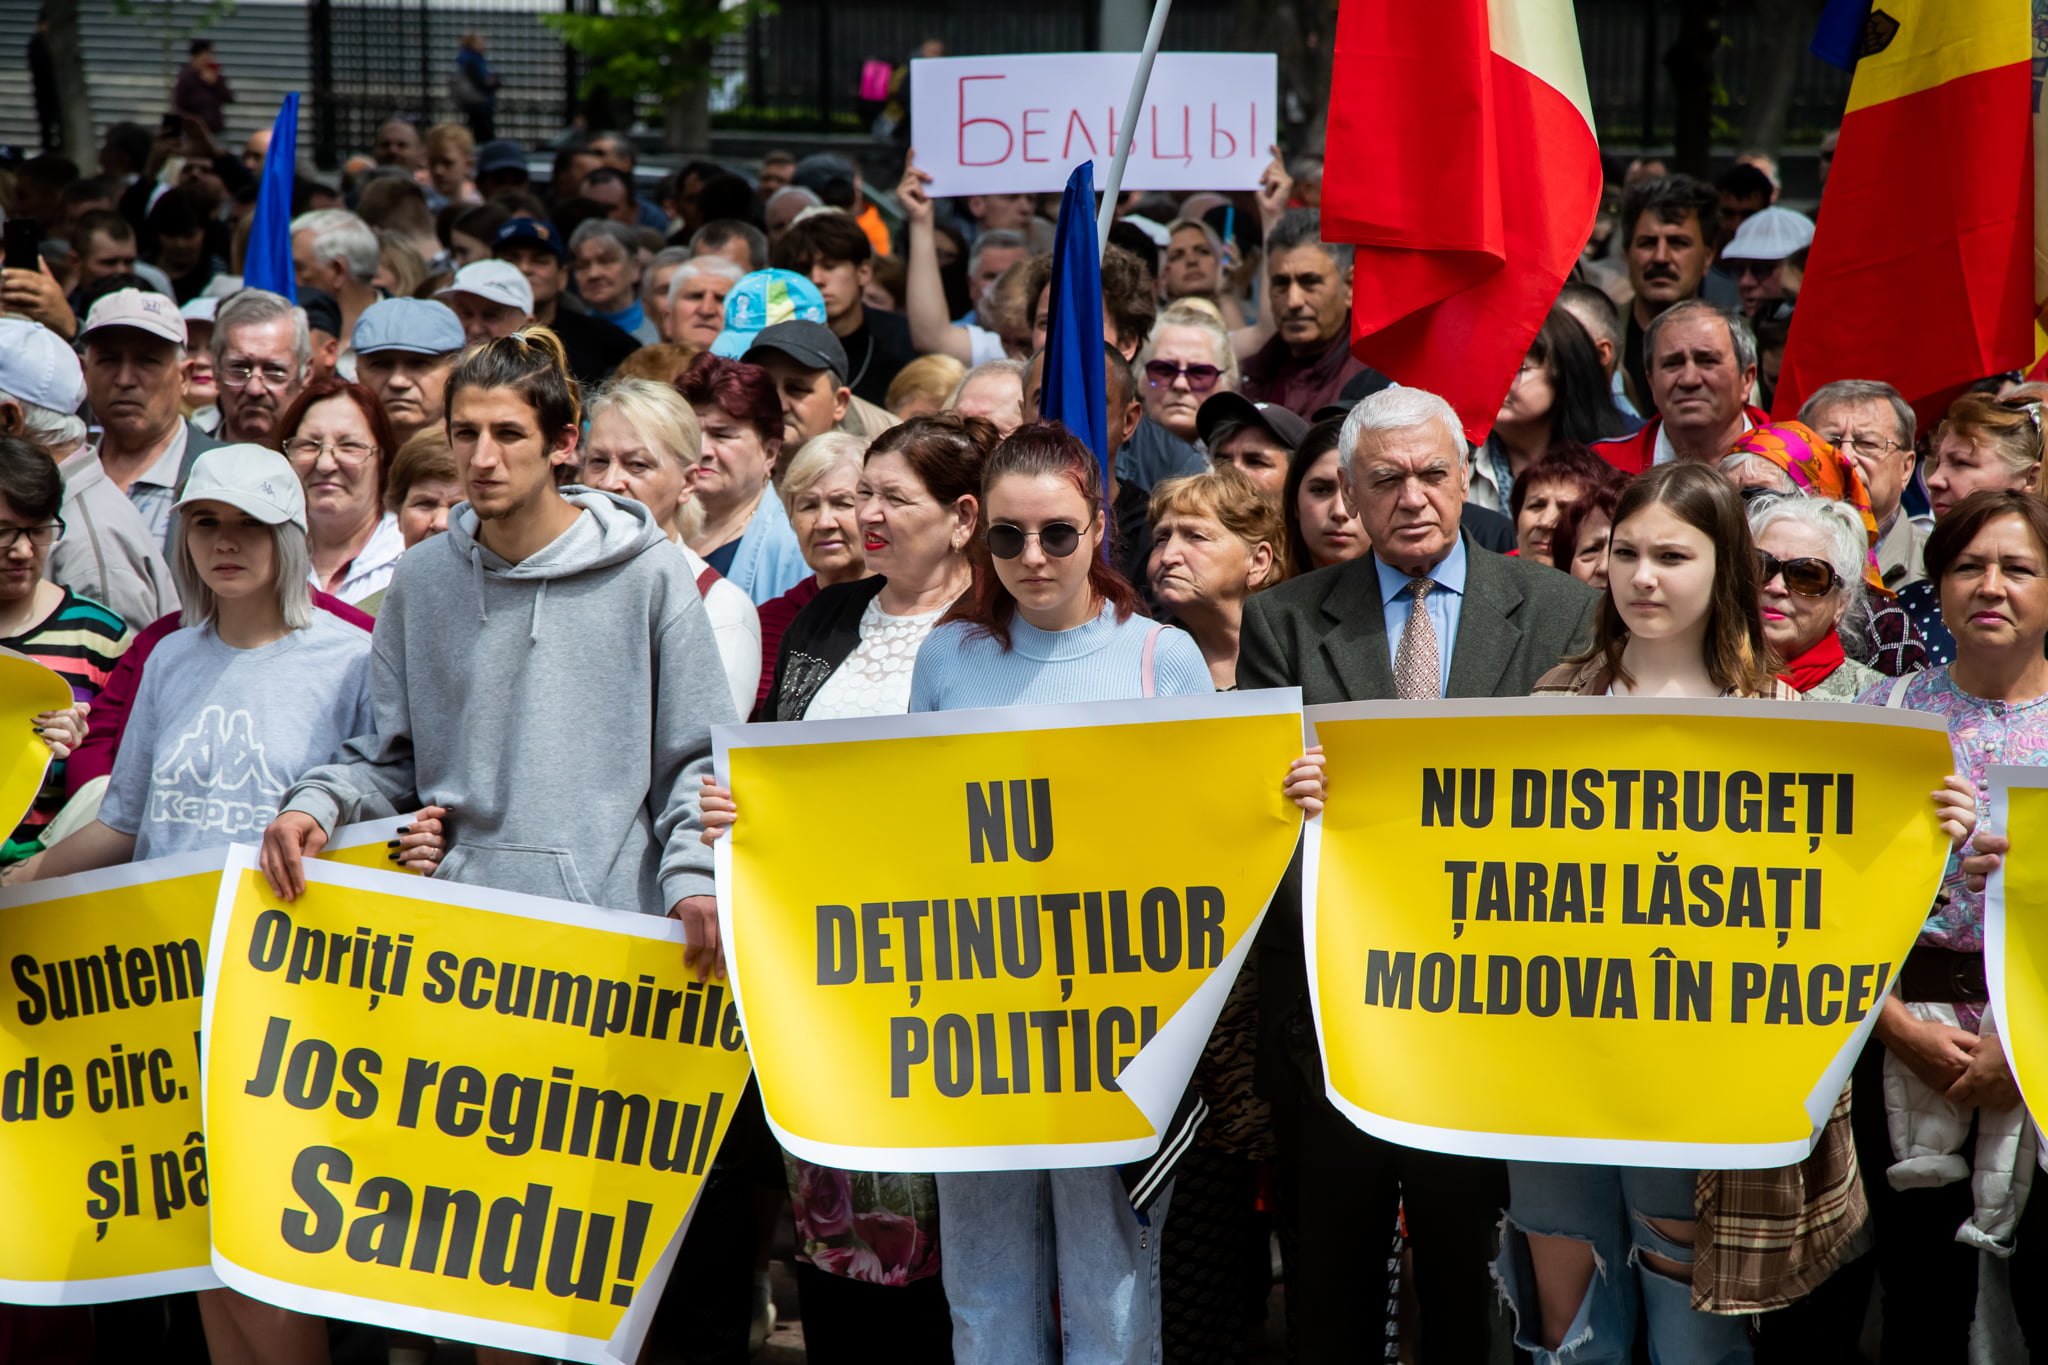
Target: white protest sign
(1020,124)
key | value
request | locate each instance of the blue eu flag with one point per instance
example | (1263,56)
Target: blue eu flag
(1072,392)
(268,264)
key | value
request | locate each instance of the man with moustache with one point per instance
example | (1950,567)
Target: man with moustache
(1307,364)
(1702,364)
(1671,224)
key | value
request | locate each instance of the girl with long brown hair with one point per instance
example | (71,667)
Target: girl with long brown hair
(1587,1249)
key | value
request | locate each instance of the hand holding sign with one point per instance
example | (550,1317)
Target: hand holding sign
(64,729)
(32,700)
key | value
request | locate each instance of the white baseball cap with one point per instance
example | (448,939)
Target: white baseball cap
(253,478)
(199,310)
(498,281)
(38,366)
(142,309)
(1769,234)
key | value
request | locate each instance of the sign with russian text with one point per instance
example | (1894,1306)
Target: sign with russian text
(1641,932)
(457,1111)
(997,940)
(1020,124)
(2016,926)
(101,1152)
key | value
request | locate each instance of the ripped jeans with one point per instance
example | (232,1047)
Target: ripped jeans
(1607,1206)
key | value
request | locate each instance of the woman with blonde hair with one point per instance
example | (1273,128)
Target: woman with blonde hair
(451,162)
(1216,540)
(664,362)
(642,444)
(1186,358)
(821,490)
(401,270)
(923,387)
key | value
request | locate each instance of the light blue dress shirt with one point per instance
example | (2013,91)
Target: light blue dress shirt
(1442,604)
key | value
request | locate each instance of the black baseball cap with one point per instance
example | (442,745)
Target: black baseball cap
(533,231)
(323,312)
(1218,409)
(810,344)
(500,154)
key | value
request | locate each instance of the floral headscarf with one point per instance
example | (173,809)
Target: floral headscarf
(1817,470)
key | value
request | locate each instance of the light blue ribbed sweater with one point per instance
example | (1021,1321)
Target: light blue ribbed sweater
(1099,661)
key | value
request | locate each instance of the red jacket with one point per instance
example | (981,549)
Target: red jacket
(1634,454)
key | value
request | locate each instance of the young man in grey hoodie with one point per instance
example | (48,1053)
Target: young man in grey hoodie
(544,671)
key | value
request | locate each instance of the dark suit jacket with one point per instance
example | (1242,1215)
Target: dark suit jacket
(1326,633)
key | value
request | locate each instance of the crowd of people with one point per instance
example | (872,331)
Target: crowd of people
(748,450)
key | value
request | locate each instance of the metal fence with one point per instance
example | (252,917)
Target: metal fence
(798,69)
(372,59)
(1611,34)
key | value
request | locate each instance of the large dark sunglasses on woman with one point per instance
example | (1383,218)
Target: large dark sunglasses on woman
(1201,378)
(1057,538)
(1807,576)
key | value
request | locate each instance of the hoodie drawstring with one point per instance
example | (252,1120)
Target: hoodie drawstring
(476,575)
(533,631)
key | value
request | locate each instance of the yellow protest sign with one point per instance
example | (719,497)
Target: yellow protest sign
(365,845)
(100,1145)
(106,966)
(1646,932)
(2016,926)
(458,1111)
(989,940)
(27,689)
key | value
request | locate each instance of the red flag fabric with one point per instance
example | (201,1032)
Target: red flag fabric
(1921,271)
(1462,165)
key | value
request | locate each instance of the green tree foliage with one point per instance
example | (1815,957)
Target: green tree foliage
(660,49)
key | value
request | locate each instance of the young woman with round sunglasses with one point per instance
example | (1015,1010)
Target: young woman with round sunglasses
(1048,620)
(1052,622)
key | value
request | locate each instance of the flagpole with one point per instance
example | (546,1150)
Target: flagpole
(1113,186)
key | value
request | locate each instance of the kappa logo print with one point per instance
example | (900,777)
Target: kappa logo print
(218,777)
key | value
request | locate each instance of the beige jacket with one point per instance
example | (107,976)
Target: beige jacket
(108,552)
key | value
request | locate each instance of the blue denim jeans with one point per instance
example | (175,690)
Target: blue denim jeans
(1609,1207)
(1008,1234)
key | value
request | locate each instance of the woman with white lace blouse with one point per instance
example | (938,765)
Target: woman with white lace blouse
(850,652)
